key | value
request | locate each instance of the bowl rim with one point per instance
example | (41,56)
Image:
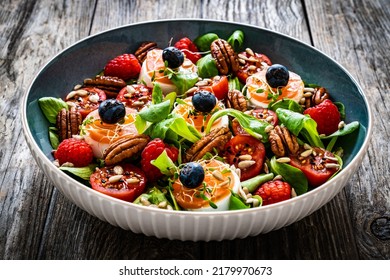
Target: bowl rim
(33,145)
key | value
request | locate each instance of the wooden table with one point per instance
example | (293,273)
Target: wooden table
(37,222)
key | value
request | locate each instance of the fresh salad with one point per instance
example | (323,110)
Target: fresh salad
(201,124)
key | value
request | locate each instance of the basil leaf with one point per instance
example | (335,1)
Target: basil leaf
(156,112)
(347,129)
(50,107)
(184,80)
(252,125)
(236,40)
(291,175)
(53,137)
(203,42)
(287,104)
(207,67)
(164,163)
(297,123)
(82,172)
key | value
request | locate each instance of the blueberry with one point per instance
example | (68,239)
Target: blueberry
(173,56)
(277,76)
(111,111)
(204,101)
(191,175)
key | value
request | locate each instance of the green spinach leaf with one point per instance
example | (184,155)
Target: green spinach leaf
(203,42)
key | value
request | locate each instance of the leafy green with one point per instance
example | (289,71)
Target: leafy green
(82,172)
(347,129)
(153,195)
(288,104)
(234,83)
(207,67)
(290,174)
(183,80)
(253,183)
(341,108)
(53,137)
(252,125)
(156,112)
(50,107)
(236,40)
(176,124)
(157,94)
(203,42)
(297,123)
(164,163)
(236,202)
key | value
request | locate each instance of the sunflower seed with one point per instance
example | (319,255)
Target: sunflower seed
(132,180)
(283,159)
(332,165)
(308,89)
(306,153)
(245,157)
(245,164)
(217,175)
(115,178)
(249,51)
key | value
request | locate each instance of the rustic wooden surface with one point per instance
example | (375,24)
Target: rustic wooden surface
(37,222)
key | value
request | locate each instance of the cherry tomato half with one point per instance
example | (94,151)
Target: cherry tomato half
(219,86)
(127,186)
(86,99)
(315,166)
(260,113)
(247,69)
(247,153)
(135,96)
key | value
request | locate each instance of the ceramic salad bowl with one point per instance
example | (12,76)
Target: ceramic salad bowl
(87,57)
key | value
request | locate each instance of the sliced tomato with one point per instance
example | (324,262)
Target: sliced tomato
(260,113)
(127,186)
(135,96)
(246,153)
(219,86)
(247,69)
(87,99)
(315,166)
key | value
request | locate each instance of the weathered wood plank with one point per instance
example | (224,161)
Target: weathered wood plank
(356,33)
(34,31)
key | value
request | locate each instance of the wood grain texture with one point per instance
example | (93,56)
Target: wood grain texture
(356,33)
(37,222)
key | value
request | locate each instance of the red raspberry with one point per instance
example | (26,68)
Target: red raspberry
(74,151)
(125,66)
(189,49)
(274,191)
(326,115)
(152,150)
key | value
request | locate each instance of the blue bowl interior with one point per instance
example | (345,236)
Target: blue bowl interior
(87,57)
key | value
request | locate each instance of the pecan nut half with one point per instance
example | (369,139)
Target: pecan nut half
(141,52)
(110,85)
(125,147)
(224,56)
(215,140)
(317,96)
(236,100)
(282,141)
(68,123)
